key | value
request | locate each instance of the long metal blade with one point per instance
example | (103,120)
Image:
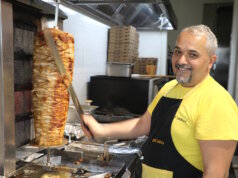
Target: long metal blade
(75,100)
(54,51)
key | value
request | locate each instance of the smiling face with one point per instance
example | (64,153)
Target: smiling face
(191,61)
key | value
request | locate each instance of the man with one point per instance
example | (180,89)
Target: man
(192,123)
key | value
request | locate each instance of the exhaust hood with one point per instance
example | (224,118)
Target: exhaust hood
(142,14)
(38,7)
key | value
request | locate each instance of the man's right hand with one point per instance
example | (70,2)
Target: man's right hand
(127,129)
(94,129)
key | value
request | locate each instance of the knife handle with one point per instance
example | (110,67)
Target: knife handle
(82,122)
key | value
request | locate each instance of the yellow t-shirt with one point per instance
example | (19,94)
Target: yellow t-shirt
(207,112)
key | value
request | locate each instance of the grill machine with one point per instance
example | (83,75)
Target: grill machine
(20,20)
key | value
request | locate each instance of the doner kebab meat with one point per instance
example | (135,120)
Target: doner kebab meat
(50,95)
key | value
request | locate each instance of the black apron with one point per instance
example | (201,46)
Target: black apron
(159,150)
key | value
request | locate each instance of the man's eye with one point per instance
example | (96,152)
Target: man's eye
(193,55)
(177,52)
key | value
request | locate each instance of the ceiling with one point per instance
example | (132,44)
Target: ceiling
(144,15)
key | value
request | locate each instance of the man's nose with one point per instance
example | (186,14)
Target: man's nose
(182,59)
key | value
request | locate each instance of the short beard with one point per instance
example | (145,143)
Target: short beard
(183,80)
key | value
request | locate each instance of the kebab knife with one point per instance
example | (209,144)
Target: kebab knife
(62,71)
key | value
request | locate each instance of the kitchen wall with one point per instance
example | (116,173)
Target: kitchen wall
(91,38)
(188,12)
(154,44)
(90,49)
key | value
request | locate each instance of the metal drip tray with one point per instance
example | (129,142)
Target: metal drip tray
(37,171)
(112,147)
(80,163)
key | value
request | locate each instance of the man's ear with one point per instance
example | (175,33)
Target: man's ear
(212,60)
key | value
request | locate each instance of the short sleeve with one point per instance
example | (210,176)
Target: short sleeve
(218,119)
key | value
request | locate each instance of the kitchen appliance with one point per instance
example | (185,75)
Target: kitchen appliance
(19,21)
(119,69)
(70,164)
(121,98)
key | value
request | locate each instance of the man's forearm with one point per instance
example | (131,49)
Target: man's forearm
(128,129)
(124,130)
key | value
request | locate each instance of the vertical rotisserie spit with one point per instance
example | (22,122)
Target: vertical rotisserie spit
(50,95)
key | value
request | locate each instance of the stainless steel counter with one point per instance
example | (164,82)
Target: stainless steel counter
(81,159)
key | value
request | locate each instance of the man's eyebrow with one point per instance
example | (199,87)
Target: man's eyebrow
(193,51)
(176,47)
(190,50)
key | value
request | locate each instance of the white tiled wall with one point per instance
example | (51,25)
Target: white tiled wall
(154,44)
(90,50)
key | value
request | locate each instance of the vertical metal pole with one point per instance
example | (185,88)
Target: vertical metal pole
(7,116)
(48,157)
(233,67)
(57,13)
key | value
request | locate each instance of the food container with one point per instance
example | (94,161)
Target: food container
(150,69)
(119,69)
(146,66)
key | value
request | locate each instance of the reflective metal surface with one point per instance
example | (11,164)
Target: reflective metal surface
(25,152)
(36,171)
(142,14)
(81,161)
(233,74)
(7,117)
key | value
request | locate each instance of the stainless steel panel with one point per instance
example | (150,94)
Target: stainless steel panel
(118,69)
(144,15)
(90,161)
(233,74)
(7,117)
